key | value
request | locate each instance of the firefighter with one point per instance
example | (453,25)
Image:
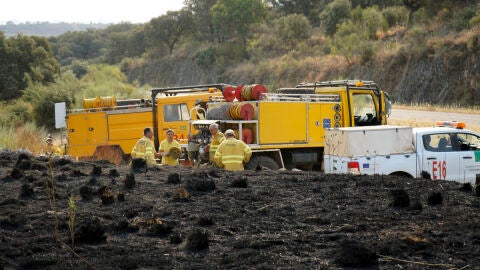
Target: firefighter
(51,149)
(232,153)
(144,147)
(169,149)
(217,139)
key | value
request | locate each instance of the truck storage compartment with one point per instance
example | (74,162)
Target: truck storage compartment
(364,141)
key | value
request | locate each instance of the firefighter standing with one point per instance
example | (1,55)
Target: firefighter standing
(232,153)
(169,149)
(144,148)
(217,139)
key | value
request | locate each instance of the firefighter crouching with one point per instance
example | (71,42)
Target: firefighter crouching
(217,139)
(50,148)
(144,147)
(232,153)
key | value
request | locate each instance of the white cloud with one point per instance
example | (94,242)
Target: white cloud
(85,11)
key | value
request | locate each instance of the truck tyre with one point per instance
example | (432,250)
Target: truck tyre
(261,161)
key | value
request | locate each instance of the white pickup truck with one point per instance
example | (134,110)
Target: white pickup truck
(430,152)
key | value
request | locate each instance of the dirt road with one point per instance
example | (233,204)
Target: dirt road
(472,120)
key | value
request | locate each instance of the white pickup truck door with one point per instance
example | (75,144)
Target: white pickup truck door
(467,147)
(439,158)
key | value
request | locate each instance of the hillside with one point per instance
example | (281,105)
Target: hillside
(47,29)
(419,51)
(183,218)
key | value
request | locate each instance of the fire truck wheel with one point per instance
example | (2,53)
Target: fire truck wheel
(261,161)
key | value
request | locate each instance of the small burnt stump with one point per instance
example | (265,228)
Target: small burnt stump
(197,240)
(130,181)
(173,178)
(86,192)
(240,182)
(90,232)
(355,254)
(400,198)
(435,198)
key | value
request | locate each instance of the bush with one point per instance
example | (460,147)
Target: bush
(16,114)
(395,16)
(293,28)
(43,99)
(335,13)
(462,20)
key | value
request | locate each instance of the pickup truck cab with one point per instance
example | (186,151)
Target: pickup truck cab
(437,153)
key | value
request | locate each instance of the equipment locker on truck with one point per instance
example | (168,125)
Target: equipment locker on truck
(438,153)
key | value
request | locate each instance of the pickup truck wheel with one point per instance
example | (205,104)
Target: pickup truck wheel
(261,161)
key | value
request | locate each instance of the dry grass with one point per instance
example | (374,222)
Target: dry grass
(27,136)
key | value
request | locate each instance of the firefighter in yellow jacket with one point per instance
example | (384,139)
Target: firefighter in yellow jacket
(169,149)
(217,139)
(232,153)
(50,148)
(144,148)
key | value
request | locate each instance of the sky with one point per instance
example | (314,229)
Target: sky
(85,11)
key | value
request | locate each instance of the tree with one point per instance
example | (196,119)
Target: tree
(43,99)
(169,28)
(309,8)
(334,14)
(234,17)
(412,5)
(202,17)
(8,80)
(82,45)
(25,60)
(293,28)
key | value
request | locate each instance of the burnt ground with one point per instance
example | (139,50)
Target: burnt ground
(184,218)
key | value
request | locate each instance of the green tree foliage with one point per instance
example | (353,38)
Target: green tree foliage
(43,99)
(378,3)
(308,8)
(203,18)
(464,17)
(16,114)
(82,45)
(293,28)
(25,60)
(335,13)
(476,19)
(395,16)
(104,80)
(244,40)
(79,68)
(373,22)
(169,28)
(8,80)
(346,41)
(235,17)
(206,58)
(125,41)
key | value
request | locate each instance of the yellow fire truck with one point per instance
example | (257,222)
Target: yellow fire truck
(286,127)
(108,129)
